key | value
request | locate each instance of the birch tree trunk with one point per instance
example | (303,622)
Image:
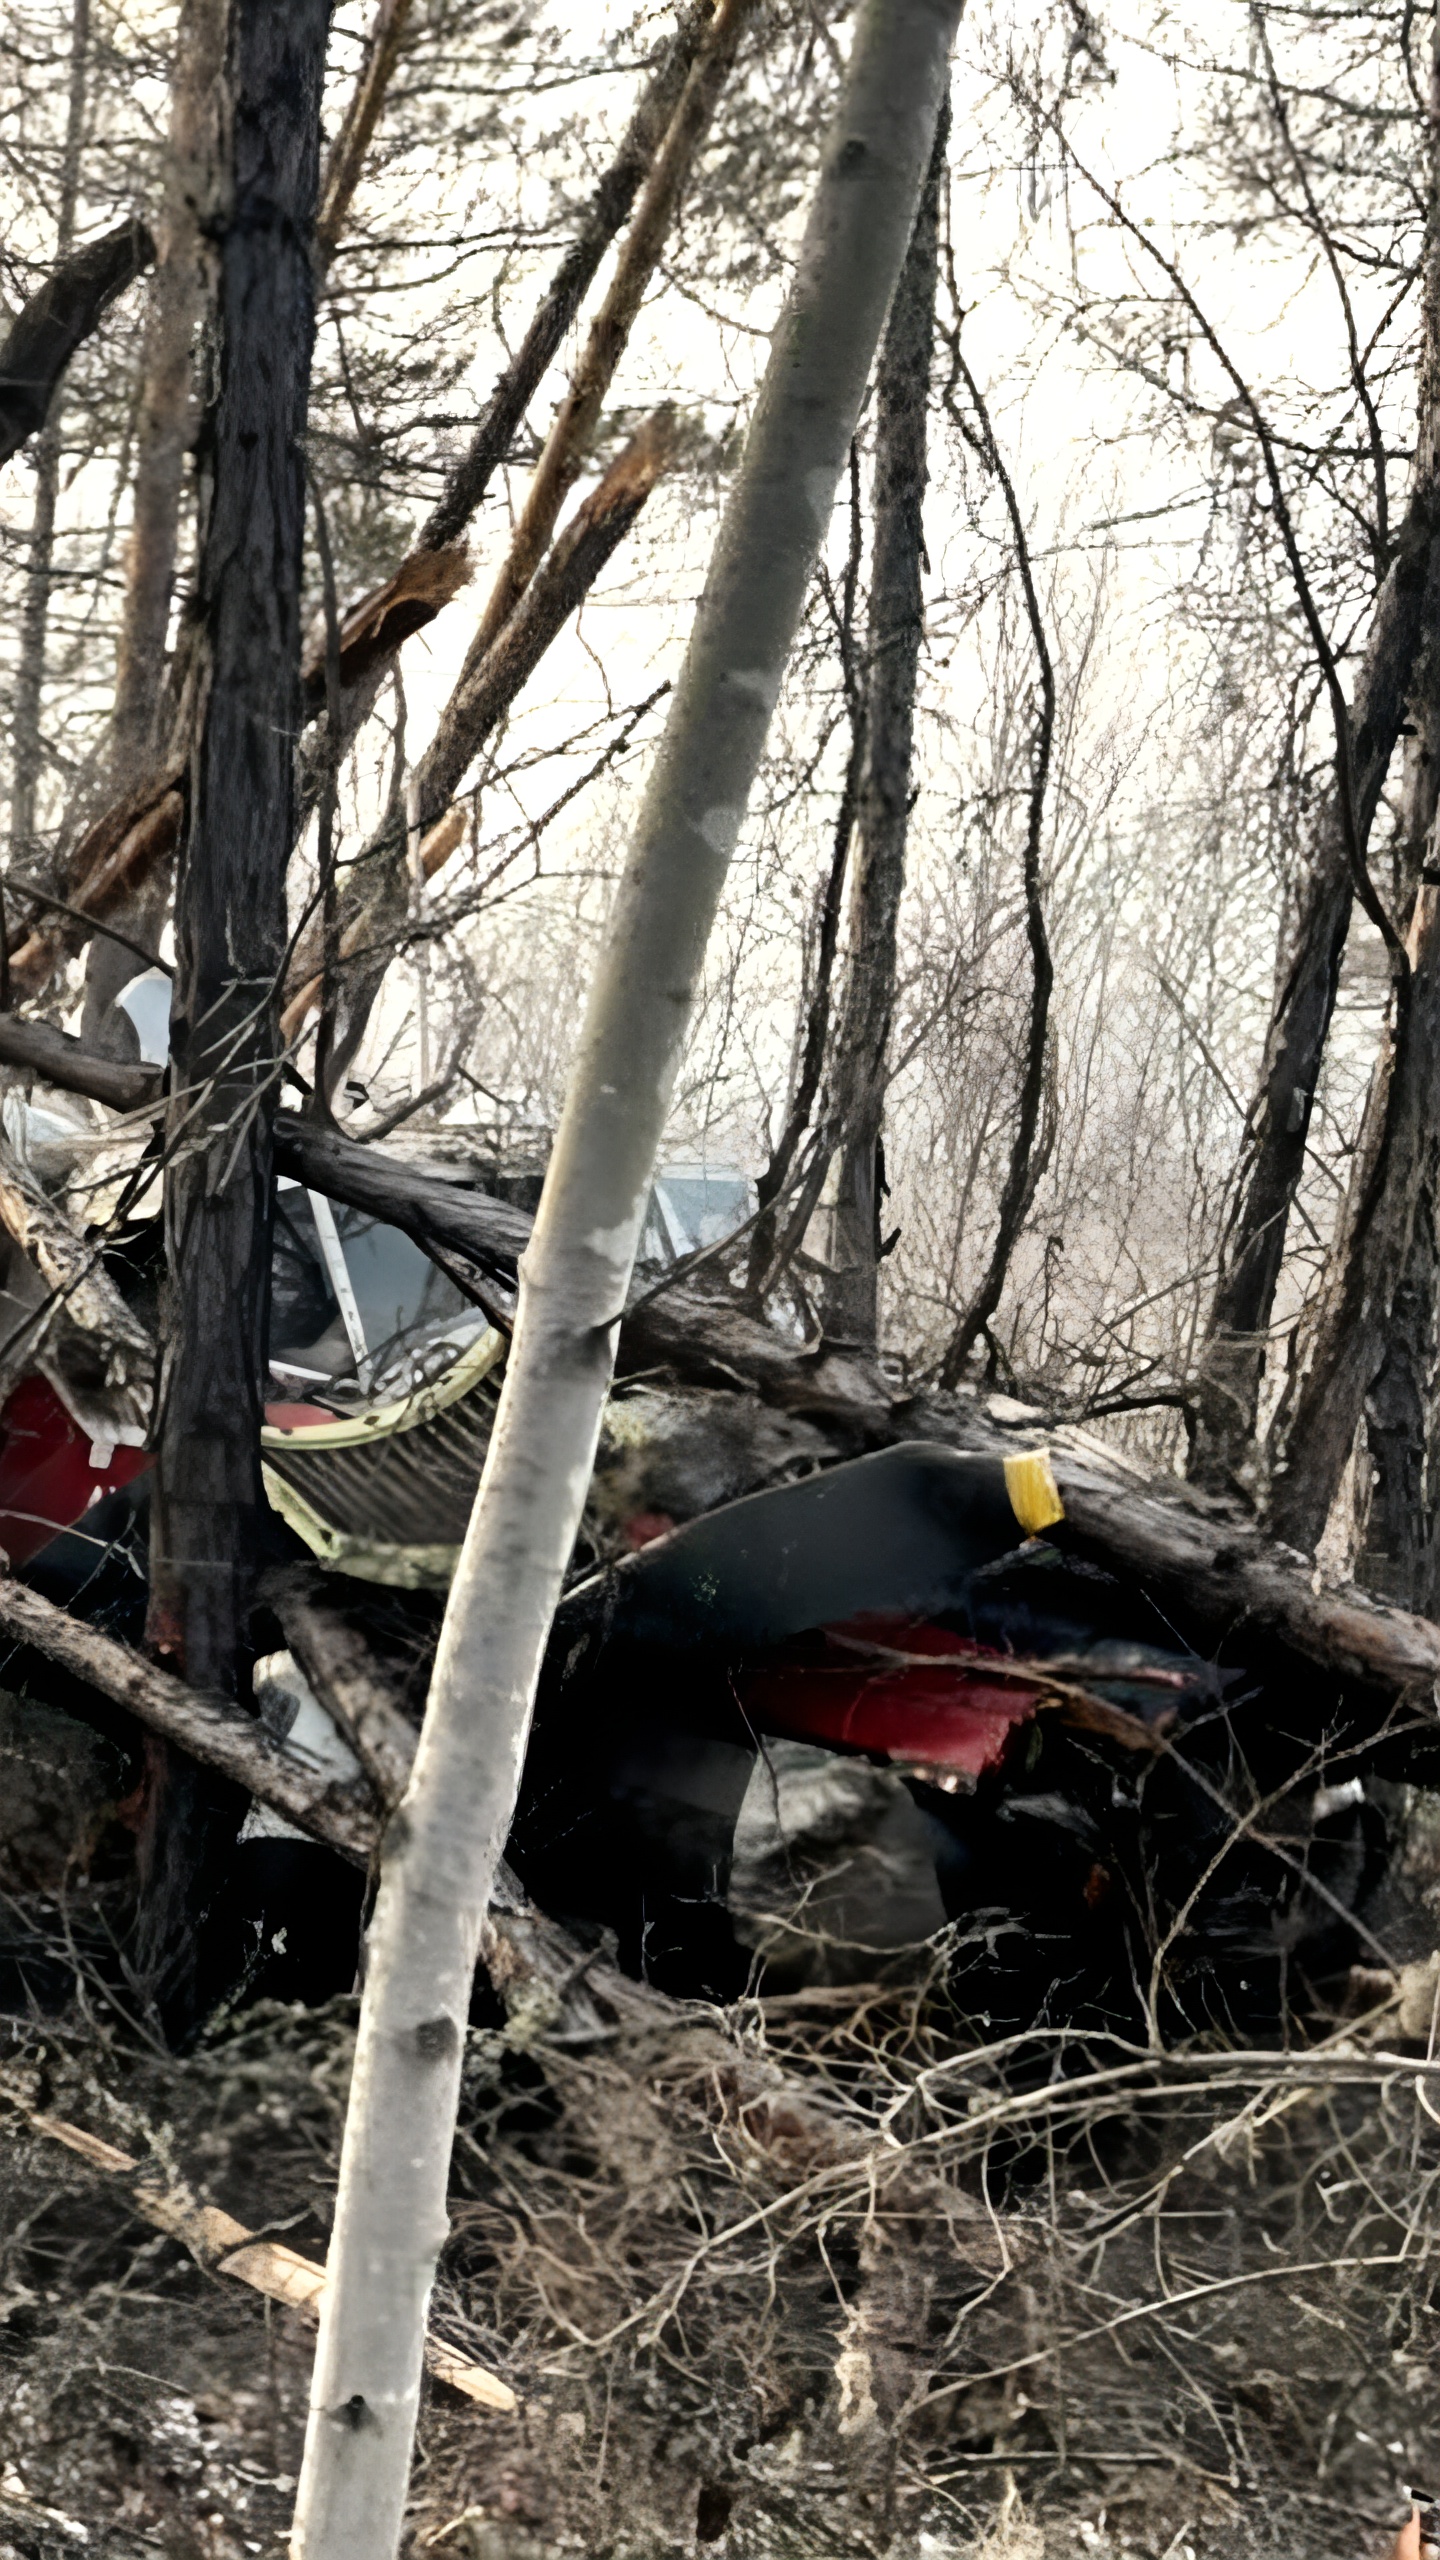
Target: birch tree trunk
(230,926)
(443,1846)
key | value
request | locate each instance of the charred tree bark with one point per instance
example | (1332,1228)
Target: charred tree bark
(1404,629)
(1398,1551)
(895,629)
(230,906)
(208,1505)
(1232,1362)
(445,1841)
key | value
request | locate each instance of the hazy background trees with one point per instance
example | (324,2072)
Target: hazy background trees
(1138,210)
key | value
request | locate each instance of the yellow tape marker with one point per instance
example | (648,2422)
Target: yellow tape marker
(1034,1493)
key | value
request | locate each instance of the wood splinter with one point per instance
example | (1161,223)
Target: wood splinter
(226,2248)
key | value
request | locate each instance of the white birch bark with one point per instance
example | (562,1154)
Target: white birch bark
(443,1846)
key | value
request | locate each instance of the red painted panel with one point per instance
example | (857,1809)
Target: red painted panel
(939,1711)
(47,1482)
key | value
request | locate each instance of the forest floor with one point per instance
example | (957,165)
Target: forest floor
(817,2276)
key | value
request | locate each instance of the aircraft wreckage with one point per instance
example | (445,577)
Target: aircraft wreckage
(802,1710)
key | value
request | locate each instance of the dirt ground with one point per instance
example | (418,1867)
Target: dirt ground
(814,2276)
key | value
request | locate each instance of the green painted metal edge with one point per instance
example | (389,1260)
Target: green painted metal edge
(405,1414)
(366,1559)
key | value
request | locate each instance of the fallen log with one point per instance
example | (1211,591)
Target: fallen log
(1195,1555)
(338,1664)
(38,1049)
(219,1734)
(551,1987)
(527,1954)
(703,1335)
(1231,1577)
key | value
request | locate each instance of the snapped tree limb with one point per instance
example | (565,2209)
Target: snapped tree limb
(503,416)
(218,2242)
(376,903)
(495,430)
(66,310)
(134,838)
(578,416)
(347,153)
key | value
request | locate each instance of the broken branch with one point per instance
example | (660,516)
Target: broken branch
(220,1736)
(66,310)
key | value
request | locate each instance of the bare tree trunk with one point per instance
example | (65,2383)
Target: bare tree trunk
(166,416)
(770,1186)
(1400,1552)
(142,707)
(1029,1148)
(230,927)
(896,626)
(443,1847)
(230,909)
(1357,1355)
(163,441)
(27,749)
(1405,630)
(1400,1548)
(1393,1175)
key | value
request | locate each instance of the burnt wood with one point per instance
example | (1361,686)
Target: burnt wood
(230,925)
